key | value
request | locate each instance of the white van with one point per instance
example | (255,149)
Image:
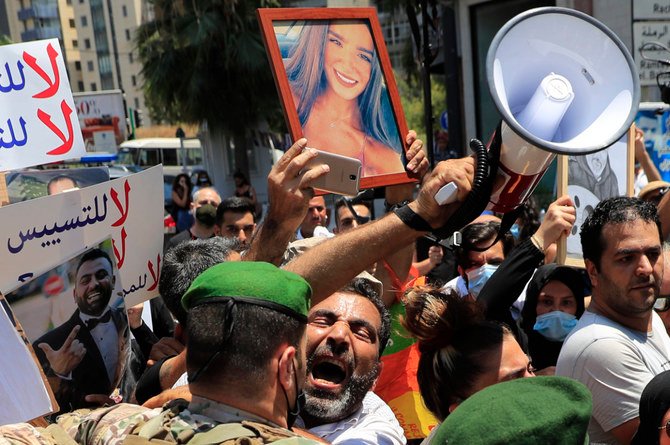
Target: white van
(148,152)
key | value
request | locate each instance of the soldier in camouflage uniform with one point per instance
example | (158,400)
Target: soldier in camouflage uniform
(246,363)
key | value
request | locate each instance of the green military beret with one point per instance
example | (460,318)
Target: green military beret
(535,410)
(250,282)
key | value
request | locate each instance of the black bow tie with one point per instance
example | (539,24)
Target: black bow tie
(93,322)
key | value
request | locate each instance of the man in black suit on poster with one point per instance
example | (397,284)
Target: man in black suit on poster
(85,355)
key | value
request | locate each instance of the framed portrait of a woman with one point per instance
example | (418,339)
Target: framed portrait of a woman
(592,178)
(337,87)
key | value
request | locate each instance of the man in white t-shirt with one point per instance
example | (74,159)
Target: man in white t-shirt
(619,343)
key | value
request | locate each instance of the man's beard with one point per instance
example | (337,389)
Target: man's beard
(621,302)
(328,407)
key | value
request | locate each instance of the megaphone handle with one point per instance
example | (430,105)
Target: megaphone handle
(446,194)
(478,197)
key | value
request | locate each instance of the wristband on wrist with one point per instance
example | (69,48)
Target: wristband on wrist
(412,219)
(392,207)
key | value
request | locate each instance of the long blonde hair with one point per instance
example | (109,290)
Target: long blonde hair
(305,72)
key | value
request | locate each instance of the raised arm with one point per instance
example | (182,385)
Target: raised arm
(393,273)
(506,284)
(644,159)
(289,197)
(180,200)
(331,264)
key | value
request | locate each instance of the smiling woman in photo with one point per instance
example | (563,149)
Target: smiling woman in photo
(338,88)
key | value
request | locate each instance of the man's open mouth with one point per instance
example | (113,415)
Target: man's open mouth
(329,372)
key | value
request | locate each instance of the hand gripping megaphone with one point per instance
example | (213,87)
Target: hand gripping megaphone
(564,83)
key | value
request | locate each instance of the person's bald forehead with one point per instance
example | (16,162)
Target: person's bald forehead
(208,193)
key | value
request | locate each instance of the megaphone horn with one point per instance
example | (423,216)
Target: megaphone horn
(563,83)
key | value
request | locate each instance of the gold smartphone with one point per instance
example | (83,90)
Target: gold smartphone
(343,177)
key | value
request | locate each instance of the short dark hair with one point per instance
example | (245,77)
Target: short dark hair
(362,287)
(184,262)
(342,202)
(94,254)
(616,210)
(246,338)
(234,204)
(476,233)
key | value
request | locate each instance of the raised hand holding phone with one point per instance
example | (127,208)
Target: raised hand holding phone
(343,177)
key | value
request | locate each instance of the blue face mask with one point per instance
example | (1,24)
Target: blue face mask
(555,325)
(515,231)
(477,278)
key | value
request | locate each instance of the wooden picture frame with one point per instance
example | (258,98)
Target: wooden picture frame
(576,178)
(326,63)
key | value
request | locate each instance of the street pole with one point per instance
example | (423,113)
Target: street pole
(181,135)
(427,103)
(453,81)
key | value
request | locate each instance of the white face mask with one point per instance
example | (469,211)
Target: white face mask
(477,278)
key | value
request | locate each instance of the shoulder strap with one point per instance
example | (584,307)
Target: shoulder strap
(222,433)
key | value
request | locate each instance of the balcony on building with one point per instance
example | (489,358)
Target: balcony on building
(39,12)
(46,32)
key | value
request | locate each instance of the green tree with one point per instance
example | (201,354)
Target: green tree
(422,32)
(204,61)
(5,40)
(413,106)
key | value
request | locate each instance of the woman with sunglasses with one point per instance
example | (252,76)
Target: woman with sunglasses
(654,426)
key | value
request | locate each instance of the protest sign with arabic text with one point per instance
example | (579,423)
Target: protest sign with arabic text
(39,234)
(38,123)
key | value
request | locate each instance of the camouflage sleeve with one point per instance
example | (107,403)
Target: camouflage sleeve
(25,434)
(107,426)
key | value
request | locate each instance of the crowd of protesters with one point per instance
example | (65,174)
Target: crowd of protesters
(370,331)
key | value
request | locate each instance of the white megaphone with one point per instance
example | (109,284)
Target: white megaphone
(563,83)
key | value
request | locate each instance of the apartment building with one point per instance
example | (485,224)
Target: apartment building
(97,37)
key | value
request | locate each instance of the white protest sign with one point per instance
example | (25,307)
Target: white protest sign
(23,390)
(38,123)
(41,233)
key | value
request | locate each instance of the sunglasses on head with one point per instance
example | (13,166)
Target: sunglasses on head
(662,304)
